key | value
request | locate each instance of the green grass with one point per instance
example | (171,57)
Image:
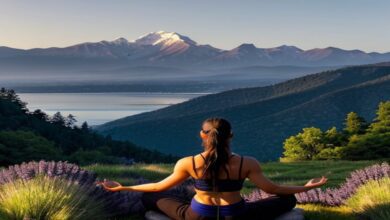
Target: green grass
(292,173)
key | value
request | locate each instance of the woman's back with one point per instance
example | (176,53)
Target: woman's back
(229,183)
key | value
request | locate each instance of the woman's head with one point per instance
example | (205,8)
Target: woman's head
(216,131)
(216,134)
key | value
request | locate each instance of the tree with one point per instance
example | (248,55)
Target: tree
(19,146)
(354,124)
(334,138)
(381,123)
(9,94)
(85,127)
(70,120)
(305,145)
(376,142)
(58,119)
(38,113)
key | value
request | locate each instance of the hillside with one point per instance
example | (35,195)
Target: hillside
(262,117)
(26,135)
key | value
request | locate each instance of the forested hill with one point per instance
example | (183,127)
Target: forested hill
(26,135)
(262,117)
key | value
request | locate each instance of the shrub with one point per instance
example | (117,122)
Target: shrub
(372,199)
(115,204)
(49,198)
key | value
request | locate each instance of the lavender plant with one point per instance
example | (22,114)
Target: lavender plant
(334,196)
(120,203)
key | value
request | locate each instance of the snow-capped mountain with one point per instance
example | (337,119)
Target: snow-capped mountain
(173,49)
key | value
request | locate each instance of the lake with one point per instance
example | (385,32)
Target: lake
(98,108)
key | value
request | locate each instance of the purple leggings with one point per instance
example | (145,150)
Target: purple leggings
(179,209)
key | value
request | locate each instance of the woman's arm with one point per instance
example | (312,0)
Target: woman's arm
(179,174)
(255,175)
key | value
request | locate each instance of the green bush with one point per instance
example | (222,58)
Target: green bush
(372,199)
(48,198)
(329,153)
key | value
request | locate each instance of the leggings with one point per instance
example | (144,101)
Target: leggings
(179,209)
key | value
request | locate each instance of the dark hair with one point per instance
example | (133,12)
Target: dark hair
(219,147)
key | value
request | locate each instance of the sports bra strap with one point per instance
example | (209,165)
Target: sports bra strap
(239,172)
(203,157)
(193,165)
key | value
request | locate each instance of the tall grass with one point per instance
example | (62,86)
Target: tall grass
(372,200)
(48,198)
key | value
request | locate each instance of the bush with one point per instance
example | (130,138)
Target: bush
(48,198)
(17,177)
(329,153)
(372,200)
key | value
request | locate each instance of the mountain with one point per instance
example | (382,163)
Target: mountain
(262,117)
(170,48)
(167,57)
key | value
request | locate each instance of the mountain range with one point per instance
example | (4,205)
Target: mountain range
(169,58)
(262,117)
(173,49)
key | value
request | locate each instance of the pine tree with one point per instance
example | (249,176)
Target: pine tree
(85,127)
(58,119)
(381,123)
(70,120)
(354,124)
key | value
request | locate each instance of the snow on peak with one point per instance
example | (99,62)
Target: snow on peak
(120,41)
(163,38)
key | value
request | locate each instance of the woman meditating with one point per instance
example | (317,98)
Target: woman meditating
(218,174)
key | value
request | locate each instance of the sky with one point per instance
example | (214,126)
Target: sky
(225,24)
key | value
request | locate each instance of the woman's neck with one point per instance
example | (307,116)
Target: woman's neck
(206,152)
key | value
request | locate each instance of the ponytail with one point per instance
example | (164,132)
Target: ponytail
(218,146)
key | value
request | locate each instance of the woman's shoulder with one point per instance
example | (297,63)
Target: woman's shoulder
(249,161)
(245,157)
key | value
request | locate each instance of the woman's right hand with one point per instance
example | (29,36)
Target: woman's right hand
(316,182)
(112,186)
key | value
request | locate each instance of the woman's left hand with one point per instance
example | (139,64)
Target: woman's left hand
(112,186)
(316,182)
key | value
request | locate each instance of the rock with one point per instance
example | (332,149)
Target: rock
(295,214)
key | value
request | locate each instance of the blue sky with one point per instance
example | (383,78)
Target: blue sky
(348,24)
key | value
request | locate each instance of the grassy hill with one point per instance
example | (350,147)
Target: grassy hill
(262,117)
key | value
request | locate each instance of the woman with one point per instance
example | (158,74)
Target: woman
(219,175)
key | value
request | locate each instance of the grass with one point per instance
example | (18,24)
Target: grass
(372,200)
(319,212)
(47,198)
(292,173)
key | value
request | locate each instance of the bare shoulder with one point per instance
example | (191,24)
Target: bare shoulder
(183,163)
(251,162)
(184,160)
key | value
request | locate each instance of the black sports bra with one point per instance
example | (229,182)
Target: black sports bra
(223,185)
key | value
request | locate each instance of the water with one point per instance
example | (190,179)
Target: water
(98,108)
